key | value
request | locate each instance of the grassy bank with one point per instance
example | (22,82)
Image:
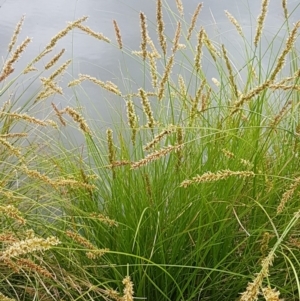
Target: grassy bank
(193,197)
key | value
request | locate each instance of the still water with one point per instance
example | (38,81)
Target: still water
(45,18)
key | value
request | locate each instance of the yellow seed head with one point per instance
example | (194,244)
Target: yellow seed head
(230,71)
(213,177)
(287,195)
(176,38)
(199,50)
(260,21)
(15,34)
(29,245)
(144,35)
(128,289)
(194,20)
(79,119)
(165,77)
(147,108)
(132,119)
(179,7)
(8,66)
(156,155)
(92,33)
(54,59)
(233,20)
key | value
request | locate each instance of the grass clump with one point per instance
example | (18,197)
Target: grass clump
(193,197)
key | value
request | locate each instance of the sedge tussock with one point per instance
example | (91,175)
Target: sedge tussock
(13,150)
(279,116)
(155,155)
(147,108)
(50,46)
(108,85)
(4,298)
(79,119)
(165,77)
(179,7)
(97,35)
(271,294)
(128,291)
(132,119)
(230,71)
(8,66)
(194,20)
(105,219)
(219,175)
(15,34)
(58,114)
(253,288)
(160,27)
(287,195)
(176,38)
(30,265)
(260,21)
(118,34)
(54,60)
(237,25)
(288,47)
(29,245)
(159,137)
(285,10)
(144,34)
(12,212)
(198,55)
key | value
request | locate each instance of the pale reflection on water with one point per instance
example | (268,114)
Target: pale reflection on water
(45,18)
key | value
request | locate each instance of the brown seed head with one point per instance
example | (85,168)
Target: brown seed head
(118,34)
(160,27)
(194,20)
